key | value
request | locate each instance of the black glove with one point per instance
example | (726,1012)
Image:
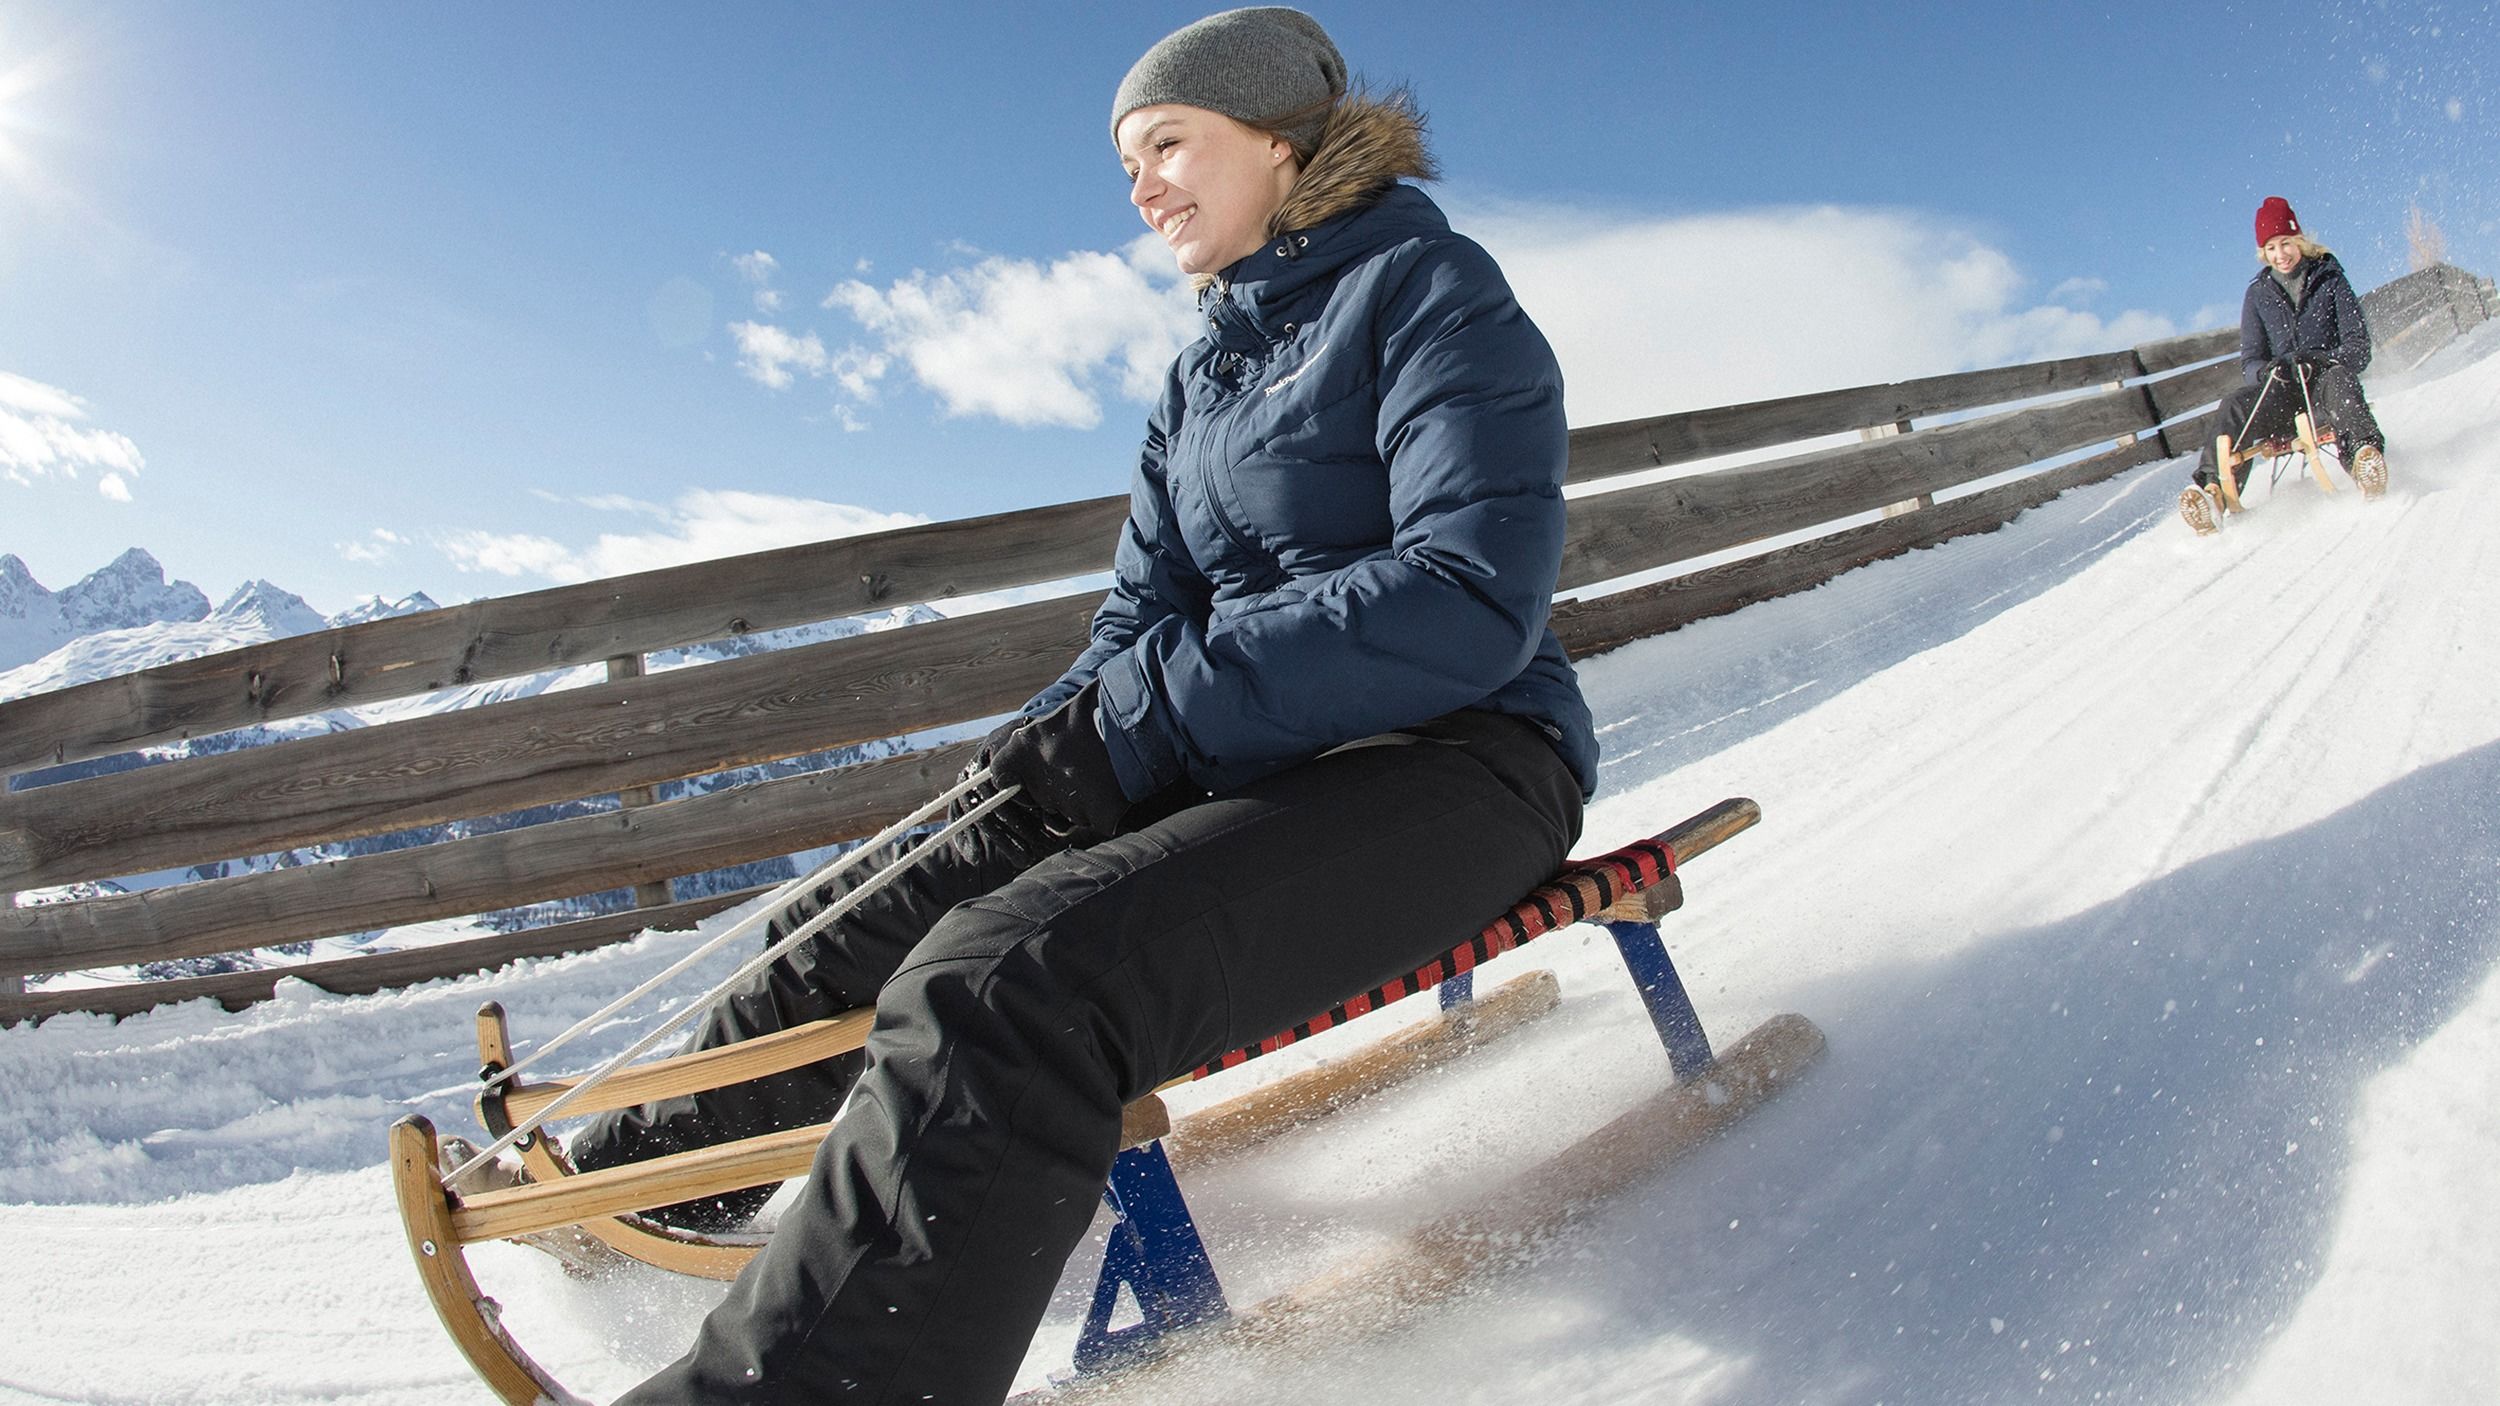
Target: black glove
(1017,823)
(1064,767)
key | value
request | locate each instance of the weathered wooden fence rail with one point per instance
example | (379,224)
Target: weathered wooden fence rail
(2101,414)
(2414,316)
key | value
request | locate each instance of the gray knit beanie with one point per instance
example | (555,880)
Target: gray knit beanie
(1259,66)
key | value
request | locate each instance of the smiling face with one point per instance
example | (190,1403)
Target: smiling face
(2282,253)
(1206,183)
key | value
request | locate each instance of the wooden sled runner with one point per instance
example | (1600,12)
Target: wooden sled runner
(1155,1253)
(2310,444)
(2307,441)
(1213,1132)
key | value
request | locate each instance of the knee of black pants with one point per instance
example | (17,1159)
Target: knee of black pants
(989,1018)
(2340,400)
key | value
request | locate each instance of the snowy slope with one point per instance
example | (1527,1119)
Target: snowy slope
(2148,888)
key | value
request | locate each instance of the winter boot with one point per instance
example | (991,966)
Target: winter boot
(2202,507)
(2369,471)
(582,1256)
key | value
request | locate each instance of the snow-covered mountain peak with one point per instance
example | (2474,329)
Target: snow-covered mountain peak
(18,587)
(30,616)
(257,603)
(130,592)
(376,608)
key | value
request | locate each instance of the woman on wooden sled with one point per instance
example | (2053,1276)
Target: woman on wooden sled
(1322,727)
(2303,346)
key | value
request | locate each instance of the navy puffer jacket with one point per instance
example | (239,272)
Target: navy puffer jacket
(2328,323)
(1347,517)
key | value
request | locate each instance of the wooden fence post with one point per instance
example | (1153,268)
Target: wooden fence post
(13,984)
(2125,439)
(1907,505)
(654,893)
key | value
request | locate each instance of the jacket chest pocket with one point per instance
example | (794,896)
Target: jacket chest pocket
(1289,465)
(1300,509)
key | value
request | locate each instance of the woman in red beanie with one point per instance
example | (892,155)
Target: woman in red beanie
(2303,344)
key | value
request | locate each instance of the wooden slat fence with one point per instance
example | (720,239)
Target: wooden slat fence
(2094,416)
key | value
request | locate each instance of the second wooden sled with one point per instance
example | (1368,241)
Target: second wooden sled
(1159,1258)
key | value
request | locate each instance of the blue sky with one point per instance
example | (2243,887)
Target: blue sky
(471,299)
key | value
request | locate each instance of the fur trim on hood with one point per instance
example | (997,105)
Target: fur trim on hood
(1370,145)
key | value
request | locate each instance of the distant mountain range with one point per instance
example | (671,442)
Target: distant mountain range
(128,617)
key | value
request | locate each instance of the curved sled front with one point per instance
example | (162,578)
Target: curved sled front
(2306,441)
(472,1319)
(502,1105)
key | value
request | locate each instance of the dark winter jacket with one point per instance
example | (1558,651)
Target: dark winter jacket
(1347,517)
(2327,324)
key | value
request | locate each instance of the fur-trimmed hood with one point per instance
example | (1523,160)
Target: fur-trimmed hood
(1370,145)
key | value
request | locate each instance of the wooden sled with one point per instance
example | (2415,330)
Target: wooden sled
(2306,441)
(1213,1132)
(1166,1268)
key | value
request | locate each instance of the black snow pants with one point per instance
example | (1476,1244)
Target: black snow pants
(2265,409)
(1025,992)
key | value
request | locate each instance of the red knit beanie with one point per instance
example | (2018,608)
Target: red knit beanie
(2275,219)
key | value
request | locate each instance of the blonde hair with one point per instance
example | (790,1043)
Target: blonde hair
(2309,248)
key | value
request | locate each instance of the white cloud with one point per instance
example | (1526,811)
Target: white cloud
(2215,315)
(35,398)
(1648,315)
(776,358)
(510,554)
(1655,315)
(611,503)
(758,269)
(702,525)
(41,435)
(1029,343)
(375,547)
(768,353)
